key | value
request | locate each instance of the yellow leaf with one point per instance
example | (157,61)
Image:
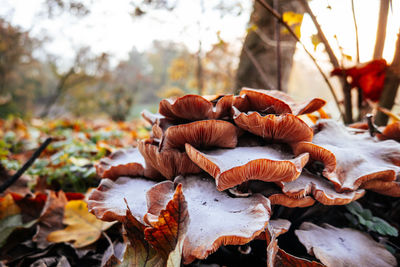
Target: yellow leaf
(252,28)
(294,20)
(8,207)
(315,41)
(83,227)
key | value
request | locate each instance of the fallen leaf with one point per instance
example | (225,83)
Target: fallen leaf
(83,227)
(337,247)
(139,252)
(51,217)
(167,233)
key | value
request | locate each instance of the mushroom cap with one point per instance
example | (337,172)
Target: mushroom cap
(273,101)
(351,159)
(243,218)
(391,131)
(321,189)
(107,201)
(206,133)
(340,247)
(169,163)
(388,188)
(195,107)
(124,162)
(286,128)
(231,167)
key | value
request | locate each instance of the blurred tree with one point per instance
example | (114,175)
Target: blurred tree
(19,70)
(258,59)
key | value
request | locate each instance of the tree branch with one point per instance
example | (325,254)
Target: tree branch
(27,164)
(392,82)
(279,18)
(381,30)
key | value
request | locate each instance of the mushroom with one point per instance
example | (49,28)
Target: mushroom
(125,162)
(321,189)
(351,159)
(231,167)
(195,107)
(169,163)
(391,131)
(340,247)
(275,102)
(243,218)
(107,201)
(286,128)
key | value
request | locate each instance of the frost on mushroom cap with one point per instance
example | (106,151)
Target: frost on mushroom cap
(195,107)
(276,102)
(169,163)
(320,189)
(286,128)
(124,162)
(351,159)
(340,247)
(231,167)
(107,201)
(215,218)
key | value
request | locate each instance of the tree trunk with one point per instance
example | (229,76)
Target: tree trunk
(381,31)
(392,82)
(260,46)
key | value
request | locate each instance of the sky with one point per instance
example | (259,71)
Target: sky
(110,28)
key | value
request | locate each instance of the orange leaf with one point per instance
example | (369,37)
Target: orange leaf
(171,226)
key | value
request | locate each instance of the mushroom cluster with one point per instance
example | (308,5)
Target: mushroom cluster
(229,158)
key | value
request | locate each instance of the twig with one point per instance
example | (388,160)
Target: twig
(372,128)
(278,49)
(27,164)
(258,67)
(356,30)
(381,30)
(279,18)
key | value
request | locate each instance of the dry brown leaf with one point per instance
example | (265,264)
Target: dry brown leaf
(167,233)
(51,217)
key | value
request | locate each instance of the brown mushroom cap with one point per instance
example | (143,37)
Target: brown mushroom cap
(273,101)
(169,163)
(107,201)
(340,247)
(321,189)
(231,167)
(206,133)
(391,131)
(389,188)
(195,107)
(286,128)
(351,159)
(125,162)
(215,218)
